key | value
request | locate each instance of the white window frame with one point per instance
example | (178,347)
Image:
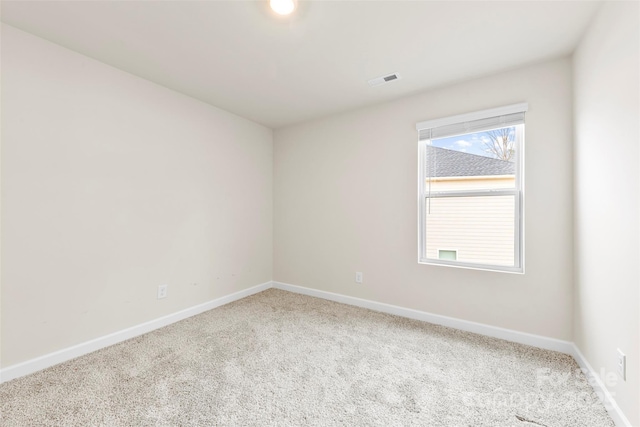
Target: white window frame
(517,192)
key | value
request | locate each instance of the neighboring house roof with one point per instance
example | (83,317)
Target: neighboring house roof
(443,162)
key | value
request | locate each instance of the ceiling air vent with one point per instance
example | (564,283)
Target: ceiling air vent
(384,79)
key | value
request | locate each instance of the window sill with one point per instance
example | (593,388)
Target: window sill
(469,266)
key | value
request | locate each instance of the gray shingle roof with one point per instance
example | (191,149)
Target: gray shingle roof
(443,162)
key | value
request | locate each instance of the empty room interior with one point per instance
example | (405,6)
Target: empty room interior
(289,212)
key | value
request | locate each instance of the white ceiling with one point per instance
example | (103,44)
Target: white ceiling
(278,71)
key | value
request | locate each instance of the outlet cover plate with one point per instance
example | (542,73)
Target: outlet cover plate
(621,364)
(162,291)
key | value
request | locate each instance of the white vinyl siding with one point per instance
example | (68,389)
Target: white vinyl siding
(481,228)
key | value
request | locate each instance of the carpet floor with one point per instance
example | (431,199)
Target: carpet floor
(283,359)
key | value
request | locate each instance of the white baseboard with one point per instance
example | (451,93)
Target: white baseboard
(48,360)
(464,325)
(479,328)
(601,390)
(51,359)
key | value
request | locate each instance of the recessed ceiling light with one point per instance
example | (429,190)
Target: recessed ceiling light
(282,7)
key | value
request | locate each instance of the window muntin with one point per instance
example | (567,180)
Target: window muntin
(470,192)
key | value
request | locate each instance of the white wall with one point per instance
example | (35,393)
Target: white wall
(111,186)
(607,193)
(345,193)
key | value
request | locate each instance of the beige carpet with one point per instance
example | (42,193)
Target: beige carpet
(282,359)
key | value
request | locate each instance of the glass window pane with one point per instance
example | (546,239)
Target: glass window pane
(482,160)
(481,228)
(448,255)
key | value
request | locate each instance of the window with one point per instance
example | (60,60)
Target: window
(447,254)
(471,190)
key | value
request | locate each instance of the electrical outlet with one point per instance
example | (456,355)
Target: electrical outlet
(621,366)
(358,277)
(162,291)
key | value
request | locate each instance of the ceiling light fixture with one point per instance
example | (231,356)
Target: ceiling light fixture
(282,7)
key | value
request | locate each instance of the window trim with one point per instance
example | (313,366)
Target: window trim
(518,192)
(476,115)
